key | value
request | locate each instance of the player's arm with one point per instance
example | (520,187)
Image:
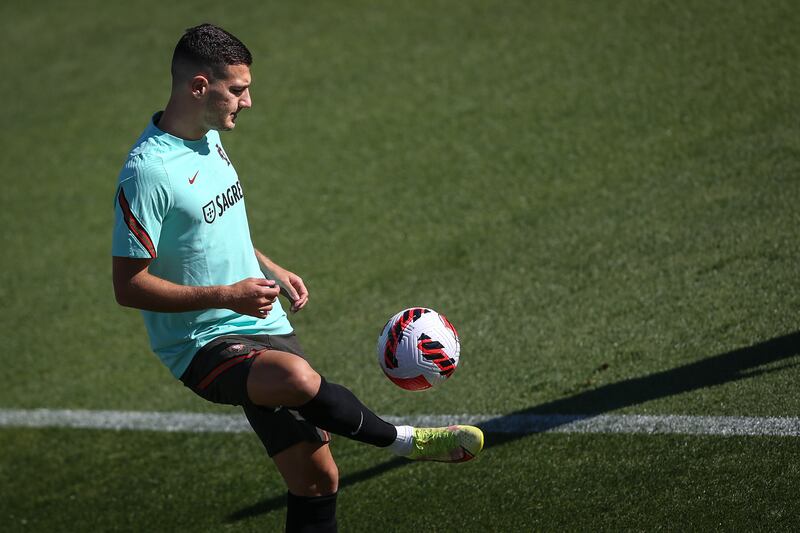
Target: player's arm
(291,285)
(135,286)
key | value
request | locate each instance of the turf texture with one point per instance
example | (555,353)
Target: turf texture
(601,196)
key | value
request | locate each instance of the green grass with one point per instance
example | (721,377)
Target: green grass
(107,481)
(593,192)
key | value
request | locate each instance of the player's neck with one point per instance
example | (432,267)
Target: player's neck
(180,123)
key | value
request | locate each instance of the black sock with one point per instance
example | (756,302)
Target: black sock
(337,410)
(315,514)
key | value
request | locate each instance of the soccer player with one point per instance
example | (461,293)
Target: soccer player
(182,253)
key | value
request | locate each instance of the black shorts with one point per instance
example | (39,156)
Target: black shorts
(218,372)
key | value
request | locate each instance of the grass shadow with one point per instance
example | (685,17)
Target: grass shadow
(731,366)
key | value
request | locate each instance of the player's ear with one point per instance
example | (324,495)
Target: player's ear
(199,86)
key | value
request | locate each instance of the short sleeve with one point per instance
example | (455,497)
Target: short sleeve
(142,200)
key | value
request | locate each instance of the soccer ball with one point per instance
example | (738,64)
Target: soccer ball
(418,349)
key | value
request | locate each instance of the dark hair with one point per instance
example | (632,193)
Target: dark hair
(208,47)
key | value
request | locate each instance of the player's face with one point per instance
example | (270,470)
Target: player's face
(227,96)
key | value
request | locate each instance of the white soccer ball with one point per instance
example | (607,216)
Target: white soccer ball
(418,349)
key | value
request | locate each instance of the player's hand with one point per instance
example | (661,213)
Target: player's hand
(251,296)
(292,287)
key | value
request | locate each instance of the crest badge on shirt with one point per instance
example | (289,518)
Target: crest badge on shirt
(223,155)
(210,212)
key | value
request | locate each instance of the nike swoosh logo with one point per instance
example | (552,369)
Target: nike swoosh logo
(191,180)
(361,423)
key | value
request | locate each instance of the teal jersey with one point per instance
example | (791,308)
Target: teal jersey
(180,203)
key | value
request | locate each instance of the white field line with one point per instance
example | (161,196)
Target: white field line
(514,423)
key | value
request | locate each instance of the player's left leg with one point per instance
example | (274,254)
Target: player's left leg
(219,373)
(312,478)
(300,452)
(308,469)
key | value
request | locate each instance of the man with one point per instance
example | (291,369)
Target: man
(183,255)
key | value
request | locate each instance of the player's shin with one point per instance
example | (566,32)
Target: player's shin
(337,410)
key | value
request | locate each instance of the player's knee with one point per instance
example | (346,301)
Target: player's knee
(308,469)
(328,479)
(303,382)
(282,379)
(319,480)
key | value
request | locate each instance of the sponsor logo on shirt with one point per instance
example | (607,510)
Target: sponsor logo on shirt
(222,202)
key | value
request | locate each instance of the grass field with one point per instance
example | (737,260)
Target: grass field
(602,197)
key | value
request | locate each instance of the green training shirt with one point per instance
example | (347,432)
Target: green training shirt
(181,204)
